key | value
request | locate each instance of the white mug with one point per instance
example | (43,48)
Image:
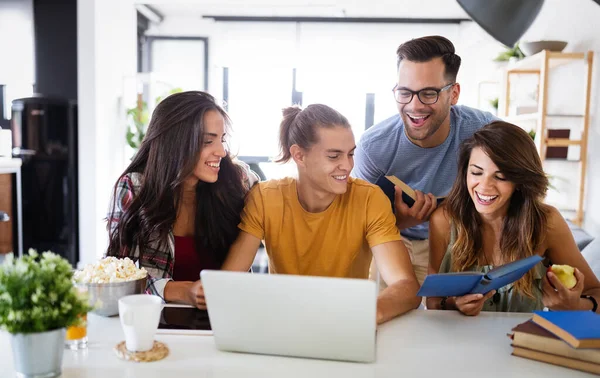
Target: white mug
(139,316)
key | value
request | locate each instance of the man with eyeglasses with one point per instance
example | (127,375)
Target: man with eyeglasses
(420,144)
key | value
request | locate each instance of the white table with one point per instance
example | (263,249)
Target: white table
(14,166)
(418,344)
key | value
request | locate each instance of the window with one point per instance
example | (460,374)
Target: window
(181,62)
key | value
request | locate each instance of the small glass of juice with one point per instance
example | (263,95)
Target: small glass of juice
(76,336)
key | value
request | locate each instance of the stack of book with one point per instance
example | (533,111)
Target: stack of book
(565,338)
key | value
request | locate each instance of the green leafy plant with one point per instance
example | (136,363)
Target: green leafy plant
(37,294)
(532,134)
(512,52)
(138,118)
(494,103)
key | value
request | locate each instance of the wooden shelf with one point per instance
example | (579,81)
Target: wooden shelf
(565,115)
(533,63)
(522,117)
(6,228)
(569,214)
(562,142)
(536,116)
(541,64)
(563,161)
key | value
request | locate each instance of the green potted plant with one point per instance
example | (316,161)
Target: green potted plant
(138,118)
(511,53)
(494,104)
(37,302)
(532,134)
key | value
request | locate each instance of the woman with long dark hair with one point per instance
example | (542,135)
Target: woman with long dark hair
(177,206)
(495,215)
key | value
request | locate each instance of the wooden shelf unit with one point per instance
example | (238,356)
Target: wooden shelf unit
(6,228)
(541,64)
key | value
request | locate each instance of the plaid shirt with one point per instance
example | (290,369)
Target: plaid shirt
(159,256)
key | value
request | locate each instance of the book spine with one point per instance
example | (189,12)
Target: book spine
(557,360)
(555,346)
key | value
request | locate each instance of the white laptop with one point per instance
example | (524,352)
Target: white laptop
(299,316)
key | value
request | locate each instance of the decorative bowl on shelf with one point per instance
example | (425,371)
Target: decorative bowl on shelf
(534,47)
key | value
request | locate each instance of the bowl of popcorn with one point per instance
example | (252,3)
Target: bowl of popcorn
(109,279)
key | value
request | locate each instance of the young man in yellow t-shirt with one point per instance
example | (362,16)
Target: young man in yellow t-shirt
(325,223)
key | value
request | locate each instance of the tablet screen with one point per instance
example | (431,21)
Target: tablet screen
(183,319)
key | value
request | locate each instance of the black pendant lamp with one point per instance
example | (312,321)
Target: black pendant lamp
(505,20)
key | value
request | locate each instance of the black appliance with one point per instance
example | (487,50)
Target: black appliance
(505,20)
(4,123)
(44,133)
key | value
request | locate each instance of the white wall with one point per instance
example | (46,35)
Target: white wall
(106,41)
(17,61)
(564,20)
(575,21)
(107,55)
(307,8)
(337,64)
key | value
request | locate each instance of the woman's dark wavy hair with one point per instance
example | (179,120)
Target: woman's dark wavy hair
(524,227)
(167,156)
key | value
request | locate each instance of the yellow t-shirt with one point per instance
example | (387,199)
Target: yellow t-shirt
(333,243)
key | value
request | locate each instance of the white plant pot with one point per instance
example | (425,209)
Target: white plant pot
(38,355)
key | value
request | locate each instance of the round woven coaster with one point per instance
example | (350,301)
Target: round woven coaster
(158,352)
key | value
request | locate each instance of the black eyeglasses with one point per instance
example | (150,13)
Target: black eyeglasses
(428,96)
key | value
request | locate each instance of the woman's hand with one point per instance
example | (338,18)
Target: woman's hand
(471,304)
(557,297)
(188,292)
(195,295)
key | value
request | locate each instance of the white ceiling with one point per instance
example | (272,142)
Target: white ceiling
(308,8)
